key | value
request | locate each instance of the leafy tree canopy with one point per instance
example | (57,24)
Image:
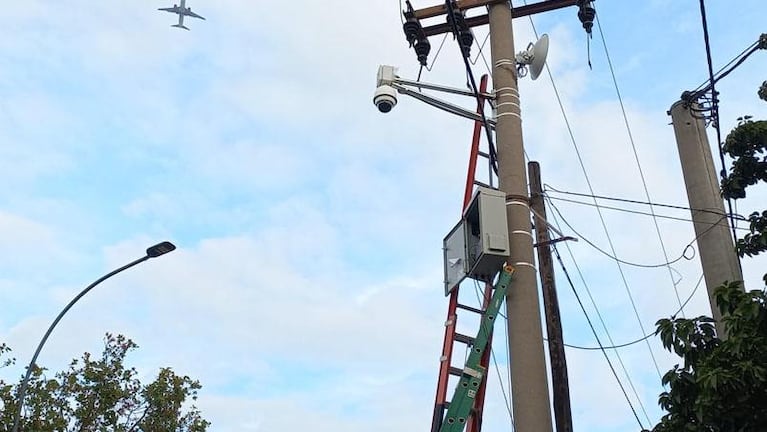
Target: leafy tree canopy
(721,386)
(102,394)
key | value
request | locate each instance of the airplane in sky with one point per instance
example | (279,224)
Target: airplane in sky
(182,11)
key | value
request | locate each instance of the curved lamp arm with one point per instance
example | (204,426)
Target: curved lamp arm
(152,252)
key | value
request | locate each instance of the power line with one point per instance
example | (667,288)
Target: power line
(596,336)
(473,86)
(588,291)
(715,110)
(604,207)
(738,60)
(634,342)
(599,211)
(633,264)
(636,158)
(549,188)
(602,321)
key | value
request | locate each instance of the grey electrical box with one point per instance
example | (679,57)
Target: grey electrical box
(454,251)
(479,245)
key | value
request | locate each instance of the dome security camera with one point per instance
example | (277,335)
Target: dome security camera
(385,98)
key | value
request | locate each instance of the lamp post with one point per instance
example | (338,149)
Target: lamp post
(151,252)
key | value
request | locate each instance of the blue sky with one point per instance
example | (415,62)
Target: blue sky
(306,291)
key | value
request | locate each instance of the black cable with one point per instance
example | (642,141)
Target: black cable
(634,342)
(588,182)
(615,258)
(715,115)
(633,211)
(599,211)
(738,60)
(548,188)
(636,156)
(475,89)
(596,336)
(602,321)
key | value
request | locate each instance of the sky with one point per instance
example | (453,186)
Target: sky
(306,291)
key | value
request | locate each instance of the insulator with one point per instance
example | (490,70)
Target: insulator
(457,19)
(412,29)
(466,39)
(587,13)
(422,49)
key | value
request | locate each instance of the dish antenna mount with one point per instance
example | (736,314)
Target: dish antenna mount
(534,58)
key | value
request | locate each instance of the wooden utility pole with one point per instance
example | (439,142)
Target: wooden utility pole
(715,245)
(529,386)
(561,387)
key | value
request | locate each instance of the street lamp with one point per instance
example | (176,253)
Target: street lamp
(152,252)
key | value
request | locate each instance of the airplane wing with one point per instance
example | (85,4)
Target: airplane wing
(175,10)
(188,12)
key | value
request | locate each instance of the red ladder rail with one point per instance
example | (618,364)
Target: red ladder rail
(440,401)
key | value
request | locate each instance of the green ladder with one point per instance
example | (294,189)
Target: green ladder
(473,373)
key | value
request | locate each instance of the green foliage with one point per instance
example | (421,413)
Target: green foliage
(101,394)
(763,91)
(747,144)
(722,385)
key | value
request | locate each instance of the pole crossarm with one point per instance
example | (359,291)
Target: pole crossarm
(517,12)
(434,11)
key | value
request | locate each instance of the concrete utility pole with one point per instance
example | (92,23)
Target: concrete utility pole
(715,245)
(529,387)
(559,381)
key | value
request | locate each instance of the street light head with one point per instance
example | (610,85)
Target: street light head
(160,249)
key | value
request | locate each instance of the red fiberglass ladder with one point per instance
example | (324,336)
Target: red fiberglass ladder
(446,370)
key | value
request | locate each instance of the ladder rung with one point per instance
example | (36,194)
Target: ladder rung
(468,340)
(479,183)
(455,371)
(483,154)
(470,309)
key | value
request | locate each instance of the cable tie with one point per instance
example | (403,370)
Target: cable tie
(527,233)
(526,264)
(510,113)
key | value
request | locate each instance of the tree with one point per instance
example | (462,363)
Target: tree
(101,394)
(722,384)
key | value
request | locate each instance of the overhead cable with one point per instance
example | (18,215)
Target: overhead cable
(599,211)
(634,342)
(473,82)
(588,291)
(715,112)
(614,257)
(625,210)
(636,158)
(596,336)
(549,188)
(602,320)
